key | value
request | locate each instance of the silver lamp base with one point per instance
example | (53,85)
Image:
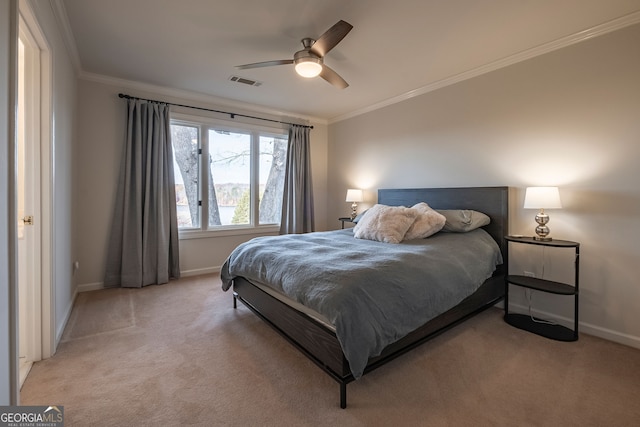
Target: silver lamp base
(542,230)
(354,207)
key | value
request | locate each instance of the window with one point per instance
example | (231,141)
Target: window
(227,177)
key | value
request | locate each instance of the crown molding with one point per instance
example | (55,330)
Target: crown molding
(210,100)
(598,30)
(60,13)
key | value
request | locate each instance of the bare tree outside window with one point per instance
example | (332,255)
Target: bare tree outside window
(185,152)
(273,154)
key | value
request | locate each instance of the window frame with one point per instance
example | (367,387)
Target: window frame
(204,125)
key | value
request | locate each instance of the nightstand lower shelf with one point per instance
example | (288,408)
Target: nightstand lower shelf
(555,332)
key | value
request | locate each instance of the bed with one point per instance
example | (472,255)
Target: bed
(322,338)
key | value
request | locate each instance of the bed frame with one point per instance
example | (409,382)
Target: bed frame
(319,343)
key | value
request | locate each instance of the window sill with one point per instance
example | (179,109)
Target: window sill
(227,231)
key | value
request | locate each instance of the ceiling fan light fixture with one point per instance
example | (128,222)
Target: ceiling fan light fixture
(309,61)
(308,67)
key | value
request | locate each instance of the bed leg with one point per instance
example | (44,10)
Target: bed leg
(235,300)
(343,395)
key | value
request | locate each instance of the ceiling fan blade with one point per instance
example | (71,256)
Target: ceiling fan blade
(332,77)
(265,64)
(331,38)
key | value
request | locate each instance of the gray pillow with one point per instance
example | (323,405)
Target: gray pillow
(463,220)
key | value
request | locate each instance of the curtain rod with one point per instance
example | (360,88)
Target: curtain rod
(232,115)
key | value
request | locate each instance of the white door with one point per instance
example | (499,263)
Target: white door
(28,202)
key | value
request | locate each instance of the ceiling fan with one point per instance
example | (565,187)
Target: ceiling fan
(309,62)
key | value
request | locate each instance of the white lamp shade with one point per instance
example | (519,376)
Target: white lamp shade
(354,195)
(542,198)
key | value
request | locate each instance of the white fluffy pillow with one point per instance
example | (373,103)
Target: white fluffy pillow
(384,223)
(427,222)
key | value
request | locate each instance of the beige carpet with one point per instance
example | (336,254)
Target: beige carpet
(178,354)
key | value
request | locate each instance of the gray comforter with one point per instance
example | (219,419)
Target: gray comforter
(373,293)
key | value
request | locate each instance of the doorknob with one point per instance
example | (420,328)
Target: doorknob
(28,220)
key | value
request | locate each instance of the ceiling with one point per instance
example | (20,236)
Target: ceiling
(396,48)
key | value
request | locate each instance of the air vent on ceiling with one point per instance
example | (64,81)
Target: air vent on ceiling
(242,80)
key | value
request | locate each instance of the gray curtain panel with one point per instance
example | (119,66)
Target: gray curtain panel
(297,203)
(143,248)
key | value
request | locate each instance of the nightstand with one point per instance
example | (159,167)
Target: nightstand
(345,219)
(542,327)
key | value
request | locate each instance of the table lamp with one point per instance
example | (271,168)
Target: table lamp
(542,198)
(354,196)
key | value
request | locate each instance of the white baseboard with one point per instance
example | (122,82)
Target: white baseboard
(200,271)
(583,327)
(63,324)
(86,287)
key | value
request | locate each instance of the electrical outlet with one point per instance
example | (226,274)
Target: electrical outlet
(529,274)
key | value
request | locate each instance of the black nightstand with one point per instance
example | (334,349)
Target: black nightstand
(523,321)
(345,219)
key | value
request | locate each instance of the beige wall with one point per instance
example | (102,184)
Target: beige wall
(101,130)
(569,118)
